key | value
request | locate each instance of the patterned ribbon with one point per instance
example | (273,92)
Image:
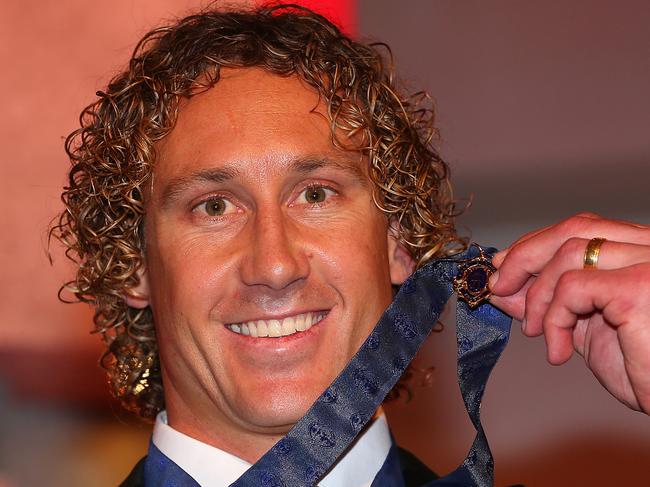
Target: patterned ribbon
(314,444)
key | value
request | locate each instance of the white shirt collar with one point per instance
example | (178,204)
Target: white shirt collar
(213,467)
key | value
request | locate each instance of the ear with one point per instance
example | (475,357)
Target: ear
(138,296)
(400,261)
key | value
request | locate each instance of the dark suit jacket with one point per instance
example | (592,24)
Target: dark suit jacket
(415,472)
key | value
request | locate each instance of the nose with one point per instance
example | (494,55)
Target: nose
(276,258)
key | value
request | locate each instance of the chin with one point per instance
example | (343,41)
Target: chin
(277,407)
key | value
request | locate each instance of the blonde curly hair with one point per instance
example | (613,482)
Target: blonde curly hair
(113,157)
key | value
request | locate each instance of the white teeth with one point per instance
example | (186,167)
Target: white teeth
(288,326)
(262,329)
(277,328)
(300,323)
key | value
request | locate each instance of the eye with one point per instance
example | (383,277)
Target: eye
(315,195)
(216,206)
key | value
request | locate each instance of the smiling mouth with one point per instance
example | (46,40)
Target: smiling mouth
(280,327)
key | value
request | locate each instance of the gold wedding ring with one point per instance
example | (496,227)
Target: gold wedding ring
(592,252)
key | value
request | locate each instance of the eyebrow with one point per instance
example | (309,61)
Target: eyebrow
(303,165)
(176,187)
(306,165)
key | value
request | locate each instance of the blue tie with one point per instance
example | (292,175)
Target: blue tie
(314,444)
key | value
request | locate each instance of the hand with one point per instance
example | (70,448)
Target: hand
(603,313)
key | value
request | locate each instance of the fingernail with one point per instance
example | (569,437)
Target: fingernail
(493,279)
(523,325)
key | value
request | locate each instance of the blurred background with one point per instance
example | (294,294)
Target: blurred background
(544,111)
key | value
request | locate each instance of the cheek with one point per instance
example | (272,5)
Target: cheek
(364,246)
(193,271)
(356,258)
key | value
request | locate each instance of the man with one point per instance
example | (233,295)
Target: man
(243,199)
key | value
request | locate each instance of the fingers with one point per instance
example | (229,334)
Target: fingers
(499,256)
(530,254)
(602,313)
(621,296)
(514,305)
(613,328)
(613,255)
(573,298)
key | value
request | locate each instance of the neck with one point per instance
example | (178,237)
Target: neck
(245,443)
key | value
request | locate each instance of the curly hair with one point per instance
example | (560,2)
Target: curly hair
(113,157)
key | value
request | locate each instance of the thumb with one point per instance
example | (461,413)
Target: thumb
(515,304)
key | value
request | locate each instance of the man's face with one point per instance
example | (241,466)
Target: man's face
(257,226)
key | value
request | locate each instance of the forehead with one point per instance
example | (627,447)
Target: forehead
(250,115)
